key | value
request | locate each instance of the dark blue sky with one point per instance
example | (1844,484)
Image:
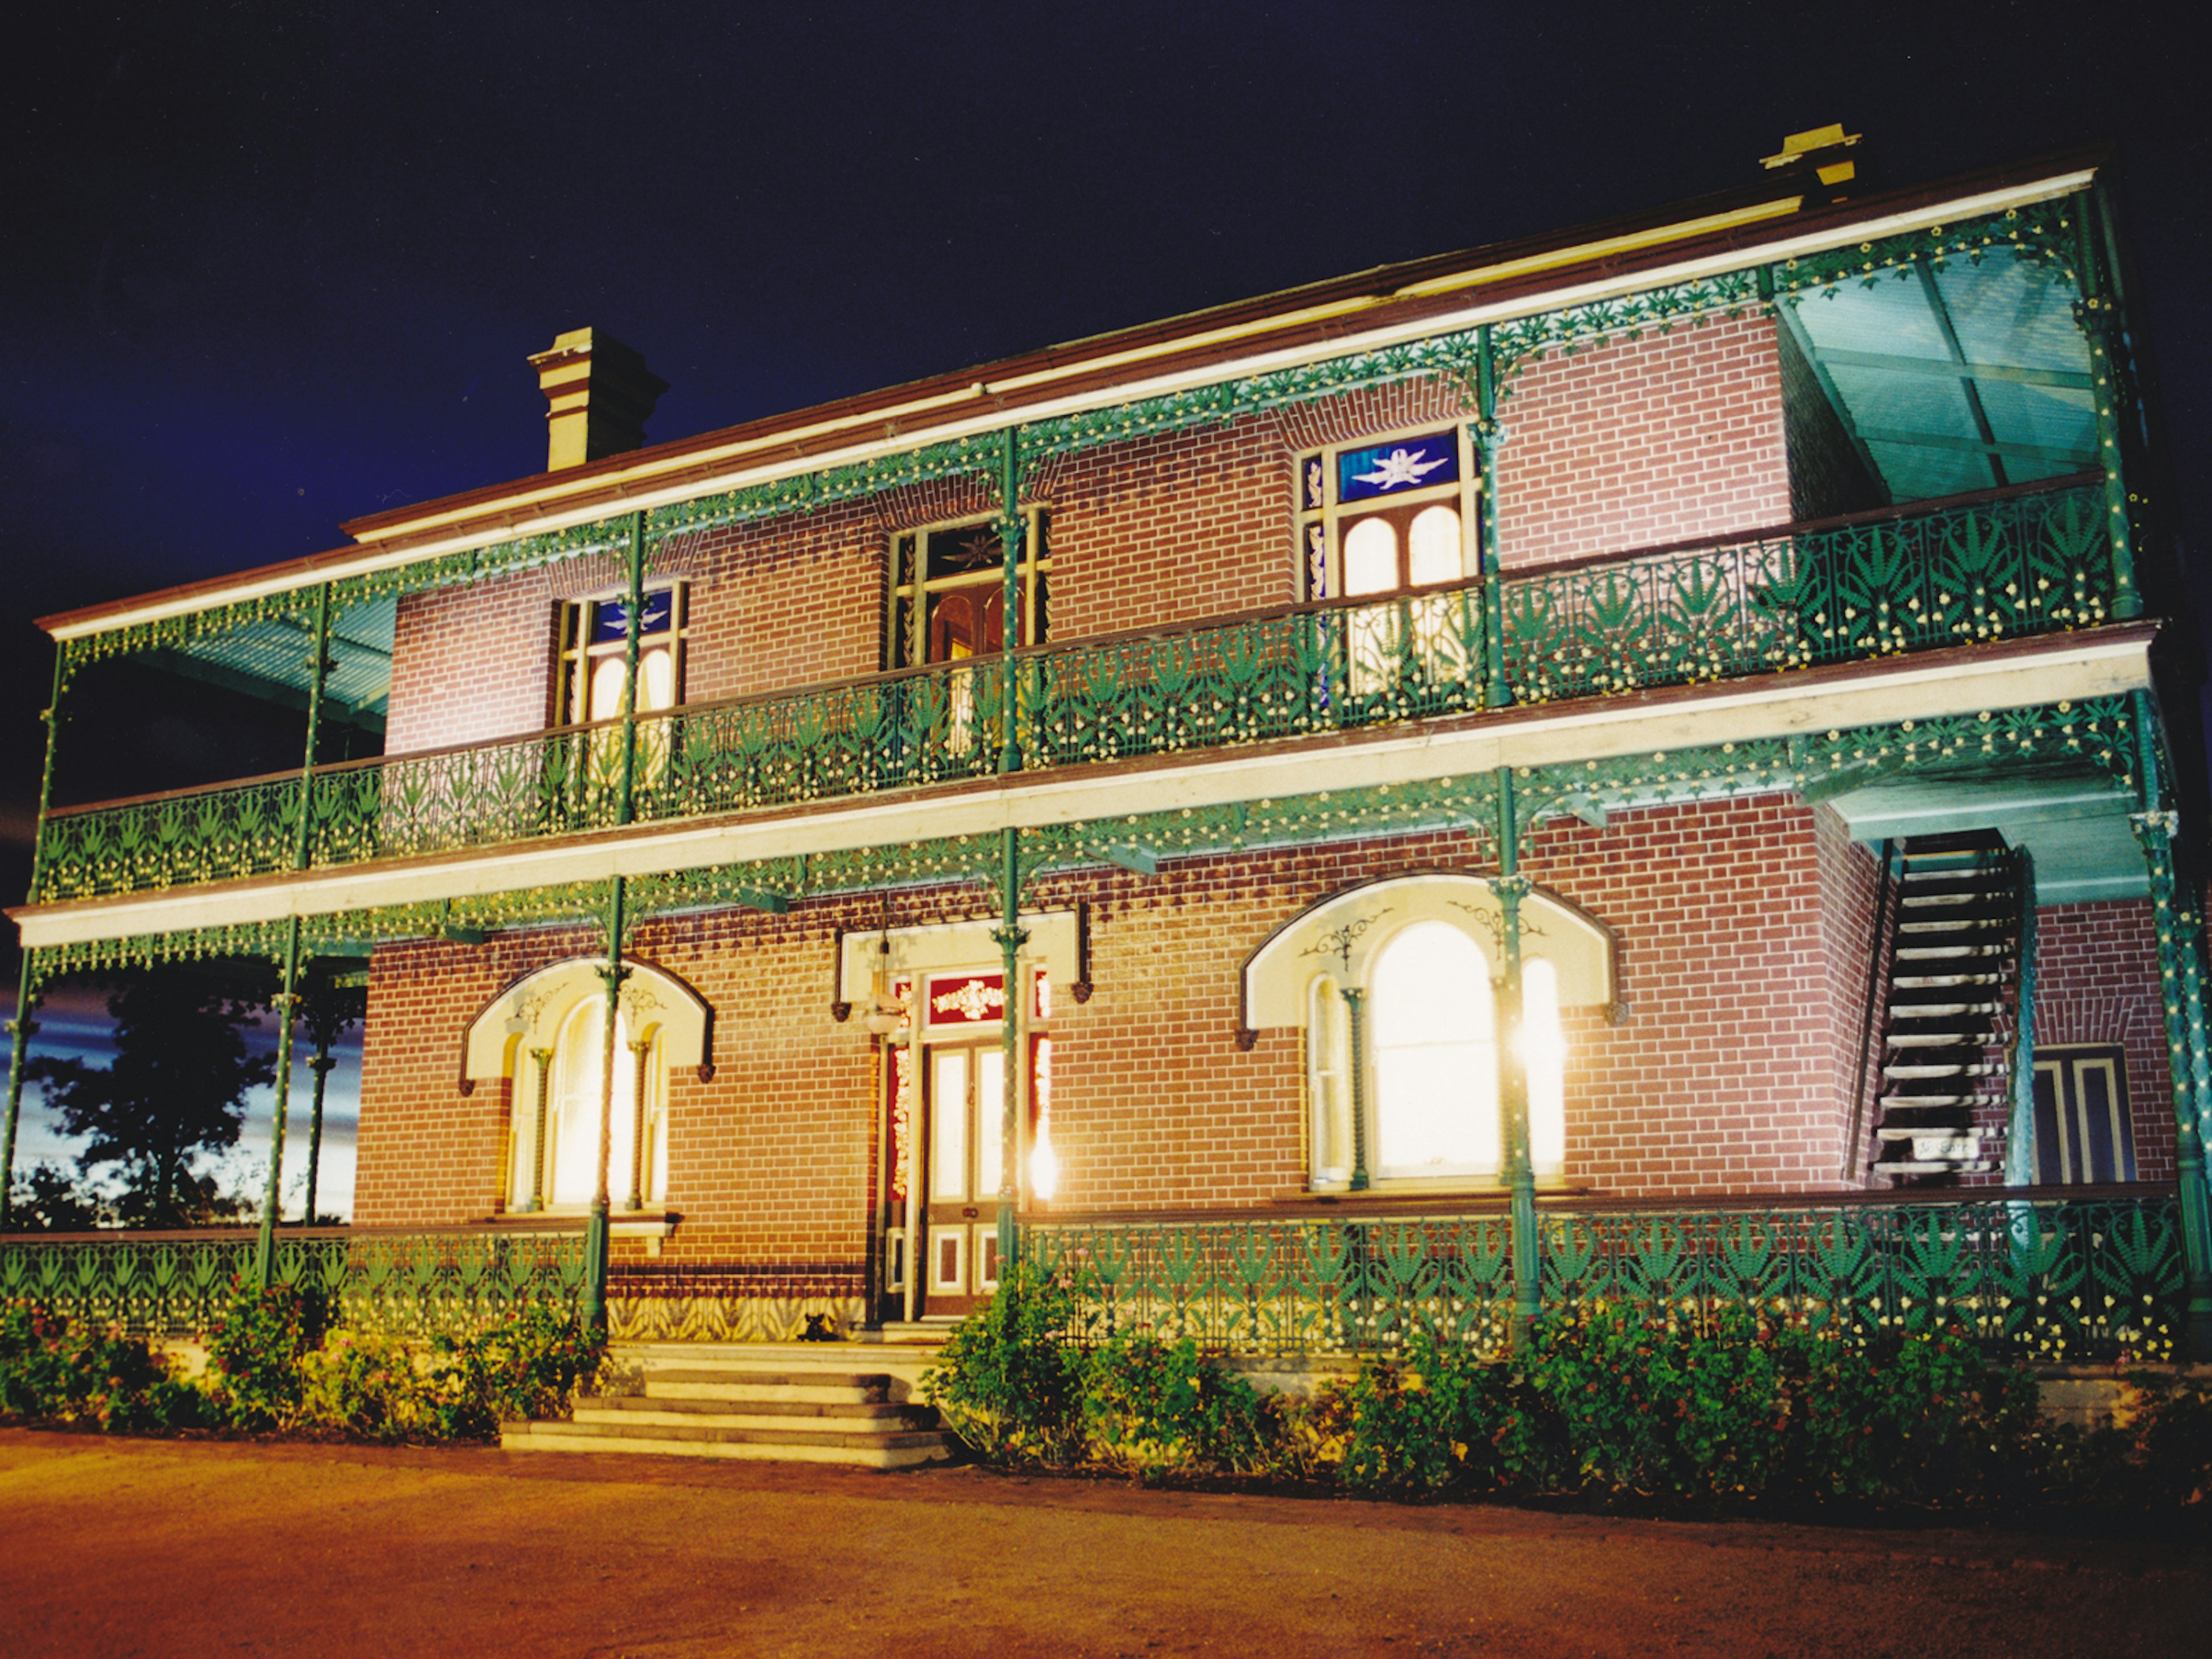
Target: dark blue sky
(268,266)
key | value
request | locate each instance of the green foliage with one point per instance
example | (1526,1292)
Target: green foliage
(531,1365)
(460,1388)
(176,1087)
(54,1370)
(254,1358)
(1148,1406)
(1006,1381)
(47,1199)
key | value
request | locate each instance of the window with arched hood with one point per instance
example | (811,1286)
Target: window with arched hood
(1395,987)
(544,1034)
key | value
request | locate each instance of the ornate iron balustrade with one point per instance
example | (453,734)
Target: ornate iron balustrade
(2034,1278)
(1285,1288)
(2007,563)
(1996,567)
(401,1284)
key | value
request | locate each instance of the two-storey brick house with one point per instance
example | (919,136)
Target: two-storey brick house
(1497,751)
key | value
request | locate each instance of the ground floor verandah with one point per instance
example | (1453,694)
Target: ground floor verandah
(1212,1105)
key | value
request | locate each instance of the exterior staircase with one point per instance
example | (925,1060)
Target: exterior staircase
(1952,1008)
(737,1401)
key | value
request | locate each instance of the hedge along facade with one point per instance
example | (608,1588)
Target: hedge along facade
(1736,1043)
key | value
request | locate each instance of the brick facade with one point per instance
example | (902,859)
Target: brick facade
(1643,443)
(1722,1078)
(1639,442)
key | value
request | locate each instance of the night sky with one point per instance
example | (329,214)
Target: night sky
(266,267)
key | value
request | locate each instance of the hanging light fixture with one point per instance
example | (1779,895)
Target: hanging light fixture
(887,1014)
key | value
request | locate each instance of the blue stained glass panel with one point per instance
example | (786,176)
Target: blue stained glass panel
(1393,468)
(611,617)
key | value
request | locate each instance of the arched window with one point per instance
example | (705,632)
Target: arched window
(569,1086)
(1435,1056)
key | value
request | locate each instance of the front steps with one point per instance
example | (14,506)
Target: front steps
(736,1401)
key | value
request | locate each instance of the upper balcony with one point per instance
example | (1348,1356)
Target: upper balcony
(2000,564)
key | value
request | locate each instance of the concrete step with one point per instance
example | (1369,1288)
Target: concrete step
(897,1449)
(763,1413)
(820,1388)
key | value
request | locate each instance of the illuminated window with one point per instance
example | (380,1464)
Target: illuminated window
(1425,1058)
(568,1078)
(1435,1056)
(594,645)
(948,592)
(1387,516)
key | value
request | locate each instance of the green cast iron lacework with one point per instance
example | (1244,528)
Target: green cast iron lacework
(2040,1279)
(2099,734)
(2022,564)
(403,1284)
(2041,236)
(2035,1279)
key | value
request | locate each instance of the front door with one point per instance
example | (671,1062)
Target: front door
(963,1141)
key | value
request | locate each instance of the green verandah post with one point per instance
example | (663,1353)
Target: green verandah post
(2181,988)
(288,1000)
(1513,1068)
(1013,533)
(595,1232)
(2099,322)
(1011,936)
(614,973)
(23,1028)
(287,1005)
(1487,440)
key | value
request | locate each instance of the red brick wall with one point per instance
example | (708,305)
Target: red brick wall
(789,601)
(1641,443)
(1172,529)
(1850,881)
(471,662)
(768,1164)
(2096,981)
(1722,1079)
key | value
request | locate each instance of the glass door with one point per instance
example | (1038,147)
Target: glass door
(964,1145)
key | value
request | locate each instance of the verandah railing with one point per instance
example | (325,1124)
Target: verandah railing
(2028,560)
(2036,1277)
(399,1284)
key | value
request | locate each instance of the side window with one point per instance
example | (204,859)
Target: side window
(594,645)
(1387,516)
(948,592)
(554,1135)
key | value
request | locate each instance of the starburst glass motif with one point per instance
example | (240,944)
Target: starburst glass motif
(1391,468)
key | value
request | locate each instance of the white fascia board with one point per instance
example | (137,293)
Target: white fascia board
(553,518)
(2064,669)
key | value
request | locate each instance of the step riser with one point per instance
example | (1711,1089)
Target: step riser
(889,1458)
(903,1424)
(740,1393)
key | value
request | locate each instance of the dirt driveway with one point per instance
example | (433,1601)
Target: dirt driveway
(114,1547)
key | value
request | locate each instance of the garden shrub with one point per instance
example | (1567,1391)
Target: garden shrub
(366,1388)
(1148,1406)
(54,1370)
(1006,1381)
(254,1372)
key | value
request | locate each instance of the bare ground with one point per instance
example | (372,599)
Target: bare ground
(164,1547)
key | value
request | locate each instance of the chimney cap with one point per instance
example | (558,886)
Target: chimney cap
(598,396)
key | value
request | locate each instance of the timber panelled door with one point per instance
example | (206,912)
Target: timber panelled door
(944,1140)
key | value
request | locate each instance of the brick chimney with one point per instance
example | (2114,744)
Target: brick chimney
(598,396)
